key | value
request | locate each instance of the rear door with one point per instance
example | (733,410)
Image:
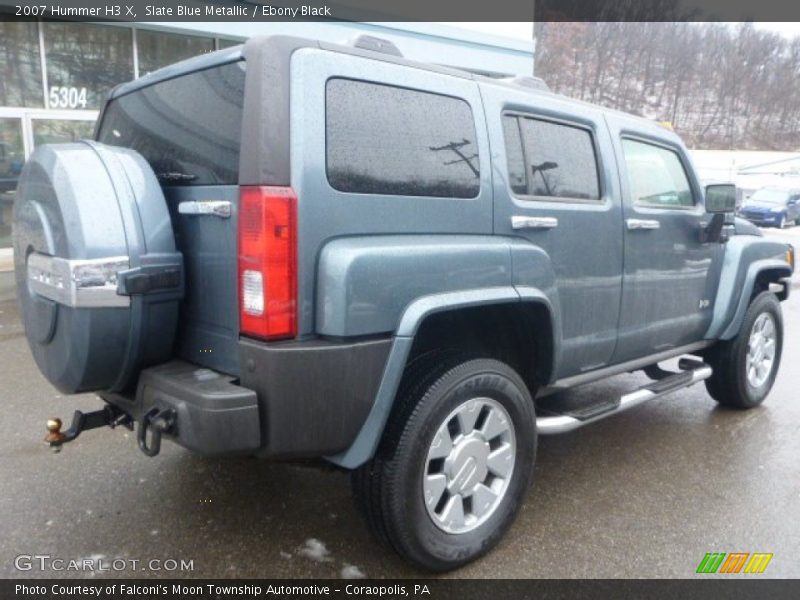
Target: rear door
(555,186)
(670,274)
(188,128)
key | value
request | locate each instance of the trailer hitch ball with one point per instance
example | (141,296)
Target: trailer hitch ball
(108,416)
(54,437)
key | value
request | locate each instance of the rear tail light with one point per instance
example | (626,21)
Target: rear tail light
(268,262)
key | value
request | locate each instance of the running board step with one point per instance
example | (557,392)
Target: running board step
(692,371)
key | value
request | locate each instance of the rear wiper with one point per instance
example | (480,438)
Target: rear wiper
(173,176)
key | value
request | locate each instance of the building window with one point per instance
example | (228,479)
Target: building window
(656,176)
(388,140)
(61,131)
(156,49)
(12,157)
(20,64)
(84,62)
(549,159)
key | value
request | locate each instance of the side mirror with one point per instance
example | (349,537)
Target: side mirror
(720,198)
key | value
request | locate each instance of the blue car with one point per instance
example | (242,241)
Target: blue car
(773,206)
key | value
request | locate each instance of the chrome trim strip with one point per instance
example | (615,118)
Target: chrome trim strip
(89,283)
(217,208)
(518,222)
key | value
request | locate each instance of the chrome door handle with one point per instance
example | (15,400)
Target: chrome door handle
(642,224)
(533,222)
(217,208)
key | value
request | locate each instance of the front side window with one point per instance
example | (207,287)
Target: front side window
(382,139)
(656,176)
(550,159)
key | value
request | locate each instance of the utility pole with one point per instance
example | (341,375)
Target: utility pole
(456,148)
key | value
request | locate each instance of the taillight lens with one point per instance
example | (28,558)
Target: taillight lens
(268,262)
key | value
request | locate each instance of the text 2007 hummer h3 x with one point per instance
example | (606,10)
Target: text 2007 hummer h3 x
(298,249)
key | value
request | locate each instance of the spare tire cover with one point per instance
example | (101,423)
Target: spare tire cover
(98,276)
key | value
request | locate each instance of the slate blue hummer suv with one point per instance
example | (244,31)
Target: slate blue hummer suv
(298,249)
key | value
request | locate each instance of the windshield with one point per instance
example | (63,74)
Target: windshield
(770,197)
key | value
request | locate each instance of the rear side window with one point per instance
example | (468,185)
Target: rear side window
(656,176)
(382,139)
(550,159)
(188,128)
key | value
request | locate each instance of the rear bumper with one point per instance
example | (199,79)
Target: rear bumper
(295,399)
(313,396)
(213,415)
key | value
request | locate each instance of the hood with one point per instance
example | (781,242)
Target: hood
(762,206)
(745,227)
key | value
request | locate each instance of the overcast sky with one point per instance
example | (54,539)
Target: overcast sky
(523,31)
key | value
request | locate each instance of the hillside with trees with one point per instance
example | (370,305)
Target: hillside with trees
(720,86)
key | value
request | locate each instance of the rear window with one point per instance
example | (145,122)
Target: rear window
(188,128)
(549,159)
(383,139)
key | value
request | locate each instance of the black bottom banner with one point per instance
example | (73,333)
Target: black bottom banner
(461,589)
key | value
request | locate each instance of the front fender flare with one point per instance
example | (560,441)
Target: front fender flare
(747,289)
(745,257)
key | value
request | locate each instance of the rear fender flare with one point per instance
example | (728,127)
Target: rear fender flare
(366,442)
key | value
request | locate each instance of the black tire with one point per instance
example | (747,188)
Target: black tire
(782,223)
(419,374)
(729,385)
(389,490)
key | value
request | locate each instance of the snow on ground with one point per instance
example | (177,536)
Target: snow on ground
(352,572)
(315,550)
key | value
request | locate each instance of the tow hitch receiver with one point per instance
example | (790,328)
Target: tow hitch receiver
(108,416)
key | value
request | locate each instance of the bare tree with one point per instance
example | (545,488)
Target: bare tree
(720,86)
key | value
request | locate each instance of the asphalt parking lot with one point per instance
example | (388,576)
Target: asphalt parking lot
(643,494)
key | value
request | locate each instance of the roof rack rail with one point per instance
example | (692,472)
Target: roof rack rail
(375,44)
(534,83)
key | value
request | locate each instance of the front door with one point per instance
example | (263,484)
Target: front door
(670,273)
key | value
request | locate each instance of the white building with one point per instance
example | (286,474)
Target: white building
(54,75)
